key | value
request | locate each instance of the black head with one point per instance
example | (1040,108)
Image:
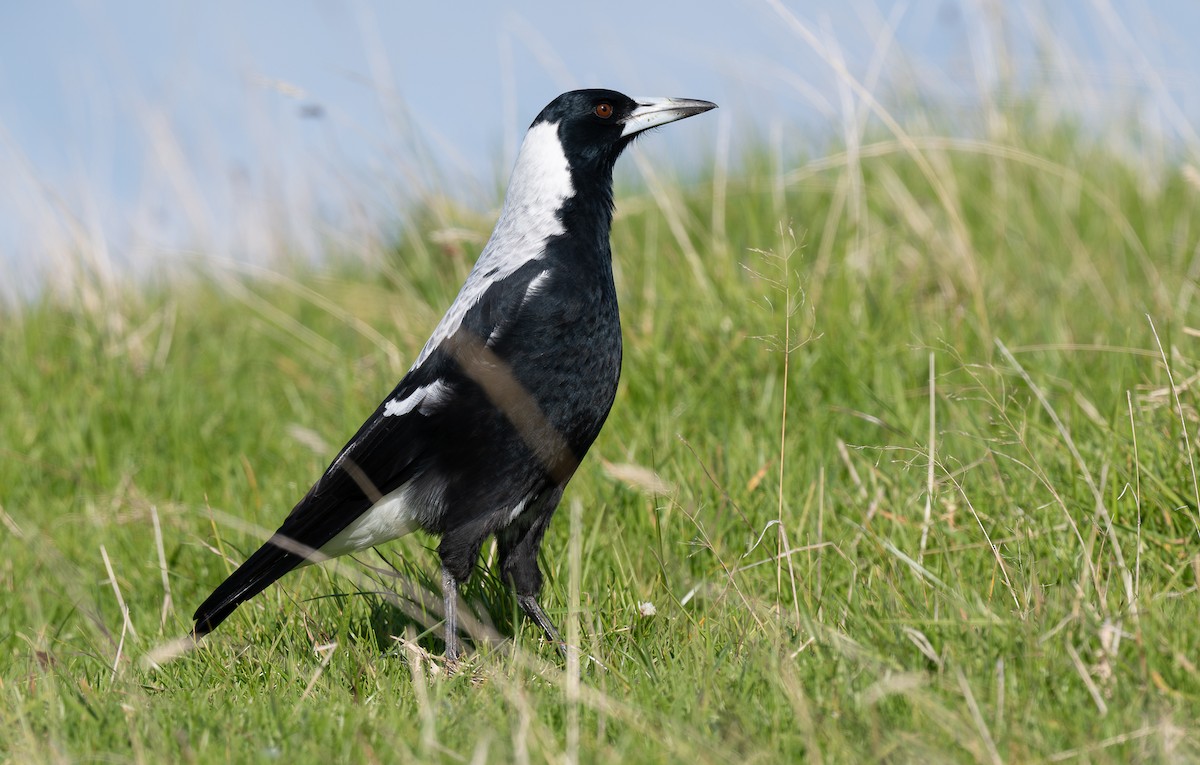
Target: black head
(596,125)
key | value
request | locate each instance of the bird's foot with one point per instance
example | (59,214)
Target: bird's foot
(533,610)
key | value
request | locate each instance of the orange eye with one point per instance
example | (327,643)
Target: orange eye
(603,111)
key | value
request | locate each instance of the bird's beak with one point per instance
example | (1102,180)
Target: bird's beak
(652,112)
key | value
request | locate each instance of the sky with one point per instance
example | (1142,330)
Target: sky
(141,132)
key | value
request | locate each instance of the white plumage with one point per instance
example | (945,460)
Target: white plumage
(541,183)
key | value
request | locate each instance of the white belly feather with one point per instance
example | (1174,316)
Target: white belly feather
(391,517)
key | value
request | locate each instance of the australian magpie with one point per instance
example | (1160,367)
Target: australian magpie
(483,433)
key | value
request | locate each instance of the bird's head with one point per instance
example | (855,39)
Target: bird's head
(564,167)
(595,126)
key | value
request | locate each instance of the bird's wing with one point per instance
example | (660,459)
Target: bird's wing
(388,447)
(373,462)
(382,456)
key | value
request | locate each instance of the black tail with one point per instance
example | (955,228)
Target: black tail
(252,577)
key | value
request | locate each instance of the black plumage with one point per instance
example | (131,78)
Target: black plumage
(483,433)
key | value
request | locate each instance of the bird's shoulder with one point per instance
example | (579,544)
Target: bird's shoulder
(381,454)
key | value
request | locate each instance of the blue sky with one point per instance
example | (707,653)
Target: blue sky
(152,128)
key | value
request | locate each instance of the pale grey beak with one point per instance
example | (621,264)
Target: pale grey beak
(652,112)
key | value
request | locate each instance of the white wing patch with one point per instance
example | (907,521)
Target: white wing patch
(517,510)
(426,397)
(532,290)
(535,286)
(540,184)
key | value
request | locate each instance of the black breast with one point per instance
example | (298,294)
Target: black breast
(566,351)
(530,398)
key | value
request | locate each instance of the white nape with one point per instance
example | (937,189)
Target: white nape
(540,184)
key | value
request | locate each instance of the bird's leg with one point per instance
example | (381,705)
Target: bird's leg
(450,593)
(518,546)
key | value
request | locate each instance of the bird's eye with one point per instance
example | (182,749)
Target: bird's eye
(603,110)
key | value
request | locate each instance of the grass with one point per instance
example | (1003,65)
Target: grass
(903,458)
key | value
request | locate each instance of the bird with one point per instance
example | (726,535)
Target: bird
(481,435)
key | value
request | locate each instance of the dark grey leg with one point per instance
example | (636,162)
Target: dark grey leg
(534,611)
(450,593)
(518,546)
(529,604)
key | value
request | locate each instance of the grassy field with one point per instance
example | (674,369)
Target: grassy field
(903,460)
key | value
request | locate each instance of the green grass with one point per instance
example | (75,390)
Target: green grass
(799,347)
